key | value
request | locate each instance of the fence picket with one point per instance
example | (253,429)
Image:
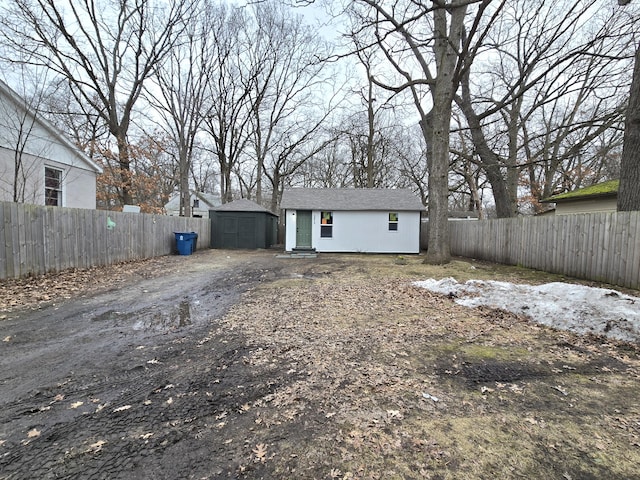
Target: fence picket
(36,239)
(599,246)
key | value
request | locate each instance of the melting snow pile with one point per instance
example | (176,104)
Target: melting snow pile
(561,305)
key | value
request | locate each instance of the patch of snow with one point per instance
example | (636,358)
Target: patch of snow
(561,305)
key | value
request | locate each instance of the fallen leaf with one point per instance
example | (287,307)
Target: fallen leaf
(95,447)
(58,398)
(34,432)
(561,390)
(170,401)
(7,338)
(145,436)
(76,404)
(121,409)
(260,452)
(335,473)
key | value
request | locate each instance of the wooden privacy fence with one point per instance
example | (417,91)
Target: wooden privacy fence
(36,240)
(603,247)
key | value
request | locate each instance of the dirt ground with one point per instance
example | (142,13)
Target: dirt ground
(243,365)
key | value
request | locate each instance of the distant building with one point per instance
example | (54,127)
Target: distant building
(200,204)
(598,198)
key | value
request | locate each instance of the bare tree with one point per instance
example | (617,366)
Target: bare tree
(544,95)
(230,83)
(182,81)
(106,51)
(291,98)
(426,46)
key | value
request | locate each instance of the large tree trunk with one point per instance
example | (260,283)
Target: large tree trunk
(448,35)
(124,165)
(438,250)
(629,192)
(490,162)
(185,194)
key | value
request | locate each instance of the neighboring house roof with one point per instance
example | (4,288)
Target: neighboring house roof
(242,205)
(400,199)
(608,189)
(210,200)
(55,133)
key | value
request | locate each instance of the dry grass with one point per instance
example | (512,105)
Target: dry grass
(387,381)
(391,381)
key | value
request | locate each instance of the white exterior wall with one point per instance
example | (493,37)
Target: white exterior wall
(78,184)
(595,205)
(360,231)
(41,147)
(290,230)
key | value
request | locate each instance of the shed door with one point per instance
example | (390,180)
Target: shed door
(239,231)
(247,232)
(229,232)
(303,228)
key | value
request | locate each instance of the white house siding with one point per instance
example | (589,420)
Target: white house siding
(595,205)
(78,182)
(361,231)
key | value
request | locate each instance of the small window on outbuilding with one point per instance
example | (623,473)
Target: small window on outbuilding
(326,224)
(393,222)
(52,187)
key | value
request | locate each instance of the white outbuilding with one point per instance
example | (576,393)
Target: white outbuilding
(372,220)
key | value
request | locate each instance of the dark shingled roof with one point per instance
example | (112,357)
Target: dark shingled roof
(400,199)
(242,205)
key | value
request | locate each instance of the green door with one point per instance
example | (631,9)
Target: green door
(303,228)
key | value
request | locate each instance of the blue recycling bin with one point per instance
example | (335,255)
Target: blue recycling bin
(186,242)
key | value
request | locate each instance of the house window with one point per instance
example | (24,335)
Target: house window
(326,224)
(196,203)
(393,222)
(52,187)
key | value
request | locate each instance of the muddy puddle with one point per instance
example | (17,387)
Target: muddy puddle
(159,318)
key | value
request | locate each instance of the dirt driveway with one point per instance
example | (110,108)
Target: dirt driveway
(243,365)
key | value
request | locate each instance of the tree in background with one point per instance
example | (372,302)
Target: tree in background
(426,46)
(154,174)
(182,82)
(544,89)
